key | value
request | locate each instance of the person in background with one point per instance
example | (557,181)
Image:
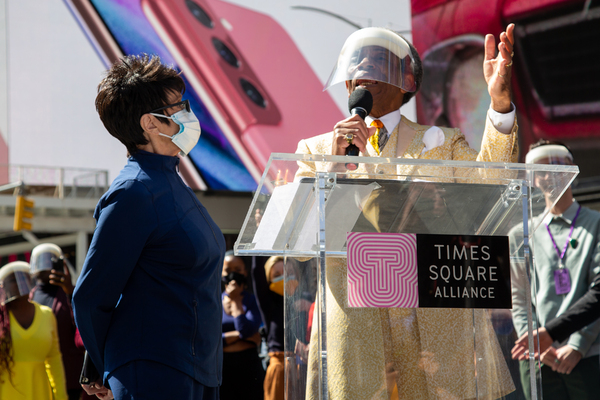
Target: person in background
(54,288)
(243,374)
(31,366)
(148,301)
(585,311)
(268,287)
(298,299)
(567,259)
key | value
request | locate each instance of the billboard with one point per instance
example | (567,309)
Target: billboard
(554,81)
(254,71)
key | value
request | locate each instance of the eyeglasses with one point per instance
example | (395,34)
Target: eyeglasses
(182,105)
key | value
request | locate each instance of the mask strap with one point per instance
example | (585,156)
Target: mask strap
(171,118)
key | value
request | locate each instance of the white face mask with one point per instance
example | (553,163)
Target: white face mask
(189,130)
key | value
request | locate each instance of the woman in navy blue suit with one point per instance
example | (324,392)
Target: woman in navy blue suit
(148,300)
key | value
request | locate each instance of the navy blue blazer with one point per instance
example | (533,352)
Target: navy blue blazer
(150,288)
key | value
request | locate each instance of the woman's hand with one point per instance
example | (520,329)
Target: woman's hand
(521,349)
(561,360)
(233,290)
(256,339)
(232,301)
(99,390)
(62,279)
(231,337)
(108,395)
(568,357)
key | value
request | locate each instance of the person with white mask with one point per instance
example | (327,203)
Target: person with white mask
(148,300)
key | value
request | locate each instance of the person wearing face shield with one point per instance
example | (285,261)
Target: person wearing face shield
(30,360)
(53,288)
(148,301)
(389,67)
(567,263)
(371,341)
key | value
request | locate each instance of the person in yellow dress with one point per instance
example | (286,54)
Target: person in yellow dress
(30,360)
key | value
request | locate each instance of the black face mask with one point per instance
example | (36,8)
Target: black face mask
(234,276)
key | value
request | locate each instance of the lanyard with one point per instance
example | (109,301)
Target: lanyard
(558,252)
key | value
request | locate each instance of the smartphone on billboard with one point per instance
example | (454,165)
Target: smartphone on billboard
(244,69)
(118,27)
(248,72)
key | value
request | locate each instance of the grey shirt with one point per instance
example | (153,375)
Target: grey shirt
(582,262)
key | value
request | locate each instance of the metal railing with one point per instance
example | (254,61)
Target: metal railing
(57,182)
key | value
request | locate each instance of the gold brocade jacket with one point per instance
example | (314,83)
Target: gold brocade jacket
(383,353)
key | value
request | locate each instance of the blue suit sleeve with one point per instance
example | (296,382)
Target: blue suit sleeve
(125,222)
(248,323)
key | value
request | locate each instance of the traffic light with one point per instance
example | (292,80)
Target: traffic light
(23,210)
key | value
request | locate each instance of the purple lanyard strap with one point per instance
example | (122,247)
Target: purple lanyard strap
(558,252)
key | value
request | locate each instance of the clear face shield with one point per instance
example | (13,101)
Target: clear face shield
(46,257)
(375,55)
(549,155)
(15,281)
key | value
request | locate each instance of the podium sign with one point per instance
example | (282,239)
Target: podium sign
(402,272)
(424,270)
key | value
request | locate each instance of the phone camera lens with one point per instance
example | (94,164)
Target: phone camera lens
(253,93)
(227,54)
(199,13)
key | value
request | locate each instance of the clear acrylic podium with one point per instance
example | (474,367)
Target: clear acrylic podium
(305,208)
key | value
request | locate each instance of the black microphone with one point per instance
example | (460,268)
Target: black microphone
(360,103)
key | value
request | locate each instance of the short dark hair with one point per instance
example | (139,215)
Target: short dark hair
(134,86)
(417,70)
(545,142)
(231,253)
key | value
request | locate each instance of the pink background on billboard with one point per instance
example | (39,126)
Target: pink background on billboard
(382,270)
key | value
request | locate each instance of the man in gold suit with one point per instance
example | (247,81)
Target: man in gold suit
(408,353)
